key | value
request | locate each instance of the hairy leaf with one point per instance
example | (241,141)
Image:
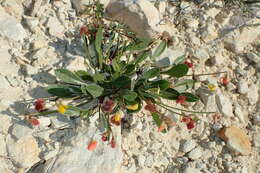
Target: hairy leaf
(179,70)
(68,76)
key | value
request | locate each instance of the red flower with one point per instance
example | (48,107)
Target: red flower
(84,30)
(189,63)
(108,106)
(39,105)
(92,145)
(113,142)
(34,121)
(104,137)
(191,125)
(224,81)
(181,99)
(186,119)
(150,106)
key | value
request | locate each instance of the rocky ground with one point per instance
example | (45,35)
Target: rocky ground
(37,37)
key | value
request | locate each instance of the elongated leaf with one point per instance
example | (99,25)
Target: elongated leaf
(162,84)
(129,95)
(151,73)
(159,50)
(140,44)
(142,56)
(98,42)
(122,81)
(63,91)
(179,60)
(95,90)
(98,77)
(184,85)
(190,97)
(129,69)
(84,75)
(116,65)
(72,111)
(170,94)
(177,70)
(158,121)
(68,76)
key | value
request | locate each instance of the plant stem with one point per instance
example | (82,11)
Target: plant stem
(186,110)
(206,74)
(168,109)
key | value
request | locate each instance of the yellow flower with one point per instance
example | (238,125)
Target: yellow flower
(62,108)
(132,107)
(117,117)
(211,87)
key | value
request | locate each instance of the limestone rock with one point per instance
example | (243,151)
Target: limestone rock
(7,123)
(20,130)
(224,104)
(242,87)
(188,146)
(195,153)
(191,170)
(25,151)
(140,15)
(10,27)
(236,139)
(252,94)
(75,157)
(55,27)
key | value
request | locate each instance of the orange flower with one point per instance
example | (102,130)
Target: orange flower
(92,145)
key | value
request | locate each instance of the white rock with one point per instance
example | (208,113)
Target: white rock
(254,57)
(74,157)
(191,170)
(7,67)
(7,123)
(224,104)
(188,146)
(195,153)
(44,121)
(14,7)
(242,86)
(201,54)
(20,130)
(257,120)
(55,27)
(141,160)
(77,63)
(31,22)
(252,94)
(240,113)
(10,27)
(218,59)
(25,152)
(3,82)
(210,33)
(140,15)
(208,98)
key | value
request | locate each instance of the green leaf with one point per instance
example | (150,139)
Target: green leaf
(159,50)
(139,44)
(162,84)
(151,73)
(184,85)
(170,94)
(63,91)
(177,70)
(129,69)
(141,57)
(68,76)
(72,111)
(190,97)
(179,60)
(84,75)
(95,90)
(122,81)
(158,121)
(129,95)
(98,77)
(115,65)
(98,42)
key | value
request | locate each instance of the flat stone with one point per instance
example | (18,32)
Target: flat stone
(7,123)
(10,27)
(55,27)
(74,157)
(253,94)
(44,121)
(195,153)
(191,170)
(236,139)
(7,67)
(140,15)
(224,104)
(3,82)
(188,146)
(242,86)
(25,151)
(20,130)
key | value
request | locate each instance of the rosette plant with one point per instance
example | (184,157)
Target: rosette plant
(121,78)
